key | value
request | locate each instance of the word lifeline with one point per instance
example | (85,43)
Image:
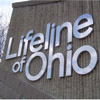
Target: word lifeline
(36,42)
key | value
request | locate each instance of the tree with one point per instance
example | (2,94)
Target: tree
(4,25)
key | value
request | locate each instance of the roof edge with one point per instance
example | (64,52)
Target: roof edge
(32,3)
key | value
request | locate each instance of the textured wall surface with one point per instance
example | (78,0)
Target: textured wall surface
(37,17)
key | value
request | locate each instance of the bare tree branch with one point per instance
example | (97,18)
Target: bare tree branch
(4,25)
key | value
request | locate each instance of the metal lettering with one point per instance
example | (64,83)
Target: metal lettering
(37,42)
(10,56)
(44,61)
(92,63)
(78,27)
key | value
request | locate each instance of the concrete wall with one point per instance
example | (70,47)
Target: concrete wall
(37,16)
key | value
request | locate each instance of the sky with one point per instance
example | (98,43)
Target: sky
(6,6)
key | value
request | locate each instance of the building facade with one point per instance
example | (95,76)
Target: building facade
(47,54)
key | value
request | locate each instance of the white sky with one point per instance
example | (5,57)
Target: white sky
(6,6)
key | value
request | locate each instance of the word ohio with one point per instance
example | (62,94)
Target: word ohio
(51,40)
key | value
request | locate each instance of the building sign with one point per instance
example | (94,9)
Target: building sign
(38,41)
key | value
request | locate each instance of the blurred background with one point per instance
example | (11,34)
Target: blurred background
(5,16)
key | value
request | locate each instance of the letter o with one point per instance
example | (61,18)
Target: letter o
(92,63)
(18,68)
(28,75)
